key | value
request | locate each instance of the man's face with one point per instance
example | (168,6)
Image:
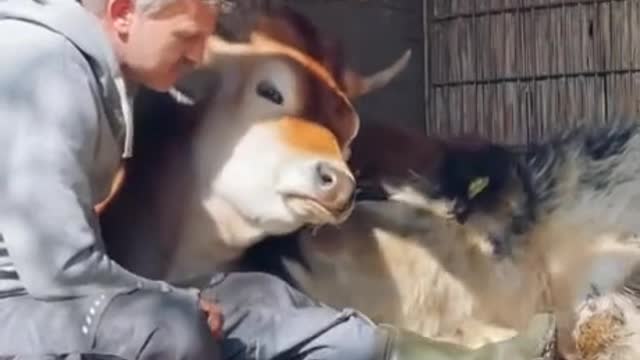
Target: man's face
(159,47)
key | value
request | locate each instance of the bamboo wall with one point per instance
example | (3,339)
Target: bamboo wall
(515,70)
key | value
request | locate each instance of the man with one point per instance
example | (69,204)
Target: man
(65,123)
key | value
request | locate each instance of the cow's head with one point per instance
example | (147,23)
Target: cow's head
(278,124)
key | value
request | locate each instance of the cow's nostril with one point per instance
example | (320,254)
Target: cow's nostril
(326,175)
(334,186)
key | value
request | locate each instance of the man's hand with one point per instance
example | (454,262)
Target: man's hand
(214,317)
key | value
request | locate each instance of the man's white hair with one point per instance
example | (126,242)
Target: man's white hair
(150,6)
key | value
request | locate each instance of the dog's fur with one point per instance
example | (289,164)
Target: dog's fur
(567,193)
(399,261)
(589,176)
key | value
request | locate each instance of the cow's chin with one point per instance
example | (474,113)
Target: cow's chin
(312,212)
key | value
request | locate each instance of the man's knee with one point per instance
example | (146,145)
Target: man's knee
(160,326)
(355,339)
(256,288)
(180,331)
(273,319)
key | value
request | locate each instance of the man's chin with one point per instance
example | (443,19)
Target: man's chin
(159,82)
(163,85)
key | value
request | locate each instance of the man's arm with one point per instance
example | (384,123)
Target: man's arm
(48,133)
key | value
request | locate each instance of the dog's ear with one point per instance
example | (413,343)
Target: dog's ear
(476,174)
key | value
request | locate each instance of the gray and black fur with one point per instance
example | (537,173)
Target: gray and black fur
(590,166)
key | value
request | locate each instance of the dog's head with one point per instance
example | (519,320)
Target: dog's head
(452,178)
(474,177)
(465,178)
(486,190)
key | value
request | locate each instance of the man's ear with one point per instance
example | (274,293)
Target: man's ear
(120,15)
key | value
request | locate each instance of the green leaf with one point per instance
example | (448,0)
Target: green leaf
(477,186)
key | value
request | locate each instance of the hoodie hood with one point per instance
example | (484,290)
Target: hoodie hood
(83,29)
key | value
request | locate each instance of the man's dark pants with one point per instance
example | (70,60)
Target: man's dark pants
(264,319)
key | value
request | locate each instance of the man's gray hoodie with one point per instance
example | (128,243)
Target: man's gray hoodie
(65,123)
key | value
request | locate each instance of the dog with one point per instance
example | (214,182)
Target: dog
(448,239)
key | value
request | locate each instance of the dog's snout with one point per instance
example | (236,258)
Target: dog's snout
(335,186)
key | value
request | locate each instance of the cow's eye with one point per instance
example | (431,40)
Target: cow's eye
(268,91)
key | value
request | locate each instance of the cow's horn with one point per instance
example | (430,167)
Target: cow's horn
(358,85)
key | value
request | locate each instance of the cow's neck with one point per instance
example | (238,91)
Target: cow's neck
(212,233)
(212,236)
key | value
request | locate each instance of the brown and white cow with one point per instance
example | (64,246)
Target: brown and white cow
(263,152)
